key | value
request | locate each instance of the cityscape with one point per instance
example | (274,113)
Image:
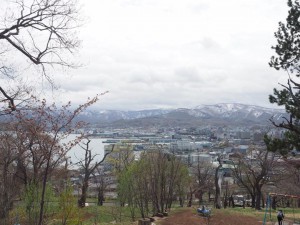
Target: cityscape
(149,112)
(191,145)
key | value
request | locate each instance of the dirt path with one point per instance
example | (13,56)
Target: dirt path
(190,217)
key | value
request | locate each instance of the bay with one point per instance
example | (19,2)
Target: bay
(77,153)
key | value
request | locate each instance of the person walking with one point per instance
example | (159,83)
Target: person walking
(280,217)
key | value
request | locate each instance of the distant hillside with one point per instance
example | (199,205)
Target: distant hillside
(219,114)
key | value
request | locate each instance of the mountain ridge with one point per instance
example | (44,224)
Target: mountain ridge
(222,113)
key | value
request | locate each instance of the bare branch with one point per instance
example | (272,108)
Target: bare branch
(42,31)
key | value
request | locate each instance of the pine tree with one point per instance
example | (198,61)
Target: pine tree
(287,59)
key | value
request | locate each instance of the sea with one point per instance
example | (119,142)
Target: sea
(77,153)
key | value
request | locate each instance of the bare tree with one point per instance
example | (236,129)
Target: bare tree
(203,179)
(42,31)
(165,173)
(121,158)
(152,182)
(89,166)
(8,185)
(41,130)
(102,183)
(254,172)
(286,176)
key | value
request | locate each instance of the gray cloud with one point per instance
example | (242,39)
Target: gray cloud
(157,54)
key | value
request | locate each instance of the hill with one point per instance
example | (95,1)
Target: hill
(218,114)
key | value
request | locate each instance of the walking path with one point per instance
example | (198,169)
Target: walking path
(287,223)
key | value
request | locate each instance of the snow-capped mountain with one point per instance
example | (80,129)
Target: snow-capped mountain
(232,113)
(115,115)
(235,110)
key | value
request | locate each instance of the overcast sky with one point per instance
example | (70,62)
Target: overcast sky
(176,53)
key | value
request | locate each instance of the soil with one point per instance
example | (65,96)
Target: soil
(190,217)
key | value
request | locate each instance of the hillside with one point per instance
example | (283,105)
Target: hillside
(219,114)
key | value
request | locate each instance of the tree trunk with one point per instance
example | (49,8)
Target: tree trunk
(209,196)
(225,202)
(226,196)
(100,198)
(4,210)
(181,201)
(144,222)
(190,198)
(82,200)
(258,199)
(274,202)
(200,196)
(6,202)
(218,190)
(44,184)
(231,202)
(253,201)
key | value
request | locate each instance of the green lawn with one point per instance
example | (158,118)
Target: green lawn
(91,215)
(290,213)
(104,215)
